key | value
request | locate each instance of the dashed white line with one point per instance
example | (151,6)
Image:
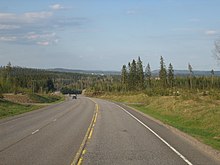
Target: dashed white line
(164,141)
(35,132)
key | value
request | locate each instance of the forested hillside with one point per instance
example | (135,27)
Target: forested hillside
(134,78)
(25,80)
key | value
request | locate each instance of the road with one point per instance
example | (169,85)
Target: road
(51,135)
(123,136)
(119,135)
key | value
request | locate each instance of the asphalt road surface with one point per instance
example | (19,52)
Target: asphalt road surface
(50,136)
(122,136)
(119,136)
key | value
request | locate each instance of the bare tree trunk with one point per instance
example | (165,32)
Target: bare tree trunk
(217,50)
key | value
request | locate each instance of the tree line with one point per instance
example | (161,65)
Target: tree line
(134,78)
(14,79)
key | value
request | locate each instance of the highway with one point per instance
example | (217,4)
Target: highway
(123,136)
(51,135)
(119,135)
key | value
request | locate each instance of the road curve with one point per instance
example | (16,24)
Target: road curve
(124,136)
(51,135)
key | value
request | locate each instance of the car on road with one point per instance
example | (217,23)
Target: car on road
(74,97)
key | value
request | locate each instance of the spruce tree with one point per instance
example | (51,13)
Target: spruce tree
(148,75)
(171,75)
(212,73)
(124,77)
(190,75)
(133,75)
(140,74)
(163,72)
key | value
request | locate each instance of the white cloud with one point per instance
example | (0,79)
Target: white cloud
(8,27)
(35,27)
(8,38)
(43,43)
(25,17)
(211,32)
(6,16)
(56,7)
(38,15)
(131,12)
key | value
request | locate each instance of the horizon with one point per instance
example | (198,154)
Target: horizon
(104,35)
(90,70)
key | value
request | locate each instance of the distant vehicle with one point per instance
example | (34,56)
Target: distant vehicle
(74,97)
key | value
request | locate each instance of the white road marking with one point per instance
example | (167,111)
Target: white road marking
(164,141)
(35,131)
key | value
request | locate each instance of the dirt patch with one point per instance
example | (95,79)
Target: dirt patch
(19,98)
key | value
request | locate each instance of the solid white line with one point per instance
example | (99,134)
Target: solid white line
(35,131)
(164,141)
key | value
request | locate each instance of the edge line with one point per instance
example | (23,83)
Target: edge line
(164,141)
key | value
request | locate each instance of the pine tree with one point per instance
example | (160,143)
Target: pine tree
(148,75)
(212,73)
(129,76)
(163,72)
(171,75)
(190,75)
(140,74)
(133,75)
(124,77)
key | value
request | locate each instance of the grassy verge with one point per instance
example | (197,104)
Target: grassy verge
(45,98)
(195,115)
(8,108)
(17,104)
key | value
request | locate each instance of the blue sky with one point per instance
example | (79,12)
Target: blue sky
(105,34)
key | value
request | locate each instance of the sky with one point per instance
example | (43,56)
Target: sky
(106,34)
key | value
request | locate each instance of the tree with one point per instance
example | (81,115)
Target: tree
(170,75)
(1,93)
(148,75)
(140,74)
(190,75)
(129,76)
(163,72)
(133,75)
(8,70)
(50,85)
(217,49)
(212,73)
(124,77)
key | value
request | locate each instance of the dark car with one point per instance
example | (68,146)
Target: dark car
(74,97)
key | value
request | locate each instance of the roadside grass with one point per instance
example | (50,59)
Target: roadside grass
(8,108)
(198,116)
(45,98)
(18,105)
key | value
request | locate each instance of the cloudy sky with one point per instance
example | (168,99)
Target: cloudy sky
(105,34)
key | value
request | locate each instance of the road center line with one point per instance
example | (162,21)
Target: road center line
(164,141)
(35,132)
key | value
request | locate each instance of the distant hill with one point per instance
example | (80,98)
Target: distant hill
(93,72)
(154,72)
(186,73)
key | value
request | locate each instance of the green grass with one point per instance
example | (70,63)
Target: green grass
(8,108)
(45,98)
(198,116)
